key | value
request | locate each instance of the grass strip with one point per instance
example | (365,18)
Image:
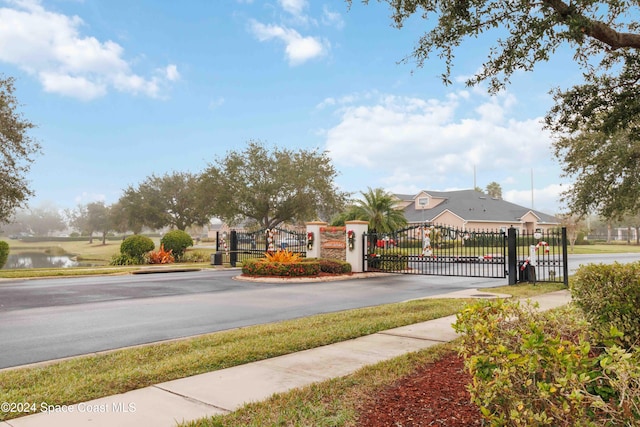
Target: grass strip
(331,403)
(335,402)
(86,378)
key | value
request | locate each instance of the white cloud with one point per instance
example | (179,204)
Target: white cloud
(171,73)
(545,199)
(298,48)
(411,143)
(294,7)
(330,18)
(50,46)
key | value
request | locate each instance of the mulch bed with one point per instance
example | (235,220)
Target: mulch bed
(434,395)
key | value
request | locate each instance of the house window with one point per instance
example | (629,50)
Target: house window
(423,201)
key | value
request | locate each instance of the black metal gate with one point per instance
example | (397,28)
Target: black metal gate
(241,245)
(437,250)
(447,251)
(540,256)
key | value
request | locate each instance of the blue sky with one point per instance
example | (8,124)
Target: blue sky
(124,89)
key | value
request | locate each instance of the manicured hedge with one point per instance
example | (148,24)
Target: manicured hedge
(258,267)
(330,265)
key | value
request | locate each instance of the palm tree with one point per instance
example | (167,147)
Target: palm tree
(378,207)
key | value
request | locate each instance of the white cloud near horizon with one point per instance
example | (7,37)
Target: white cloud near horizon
(413,143)
(50,46)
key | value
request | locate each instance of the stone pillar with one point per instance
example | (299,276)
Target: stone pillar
(355,252)
(314,227)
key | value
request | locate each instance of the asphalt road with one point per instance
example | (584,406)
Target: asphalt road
(47,319)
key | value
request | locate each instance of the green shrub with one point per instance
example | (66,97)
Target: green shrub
(122,259)
(136,247)
(258,267)
(177,241)
(609,295)
(533,368)
(4,253)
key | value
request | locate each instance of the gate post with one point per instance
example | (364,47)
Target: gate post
(233,248)
(512,256)
(355,247)
(314,227)
(565,261)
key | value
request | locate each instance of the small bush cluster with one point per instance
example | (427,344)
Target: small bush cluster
(177,241)
(609,295)
(258,267)
(534,369)
(4,253)
(133,250)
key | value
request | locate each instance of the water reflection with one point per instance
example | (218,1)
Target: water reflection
(40,260)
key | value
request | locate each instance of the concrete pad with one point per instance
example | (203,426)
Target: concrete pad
(233,387)
(439,330)
(145,407)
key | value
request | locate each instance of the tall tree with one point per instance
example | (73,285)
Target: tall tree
(271,186)
(99,219)
(17,149)
(91,218)
(44,219)
(171,200)
(379,208)
(533,31)
(606,172)
(605,38)
(494,190)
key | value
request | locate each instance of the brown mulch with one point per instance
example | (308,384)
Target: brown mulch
(434,395)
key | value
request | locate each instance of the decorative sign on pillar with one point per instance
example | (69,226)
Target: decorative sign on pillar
(351,238)
(310,240)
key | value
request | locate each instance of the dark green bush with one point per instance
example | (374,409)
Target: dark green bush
(534,368)
(609,295)
(259,267)
(4,253)
(136,247)
(176,241)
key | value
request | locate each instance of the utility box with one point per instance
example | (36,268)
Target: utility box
(216,258)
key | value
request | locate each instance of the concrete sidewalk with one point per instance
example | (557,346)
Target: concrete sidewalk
(226,390)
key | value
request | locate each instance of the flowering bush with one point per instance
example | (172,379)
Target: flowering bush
(161,256)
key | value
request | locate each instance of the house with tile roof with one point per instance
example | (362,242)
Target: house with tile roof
(472,210)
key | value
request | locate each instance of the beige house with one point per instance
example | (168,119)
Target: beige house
(472,210)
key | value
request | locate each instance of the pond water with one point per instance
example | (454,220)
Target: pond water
(40,260)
